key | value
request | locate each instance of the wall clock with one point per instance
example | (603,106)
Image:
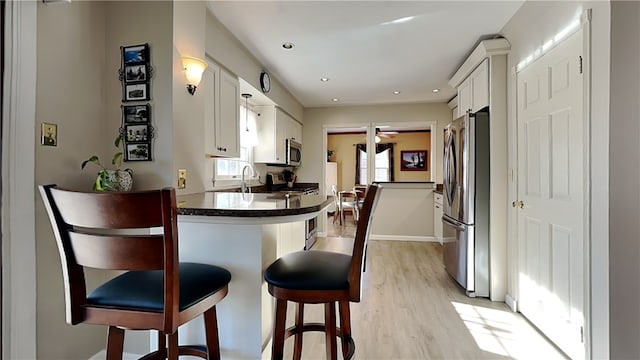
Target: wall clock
(265,82)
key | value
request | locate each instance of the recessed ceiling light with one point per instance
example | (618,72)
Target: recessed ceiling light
(335,99)
(324,79)
(396,92)
(288,45)
(436,90)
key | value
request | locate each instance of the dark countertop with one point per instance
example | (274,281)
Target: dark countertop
(235,204)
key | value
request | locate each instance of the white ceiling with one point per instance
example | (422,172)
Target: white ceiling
(359,47)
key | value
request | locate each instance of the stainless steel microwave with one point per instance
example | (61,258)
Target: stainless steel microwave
(294,153)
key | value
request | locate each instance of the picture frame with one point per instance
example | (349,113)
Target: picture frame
(414,160)
(138,151)
(136,92)
(135,73)
(137,133)
(136,114)
(135,54)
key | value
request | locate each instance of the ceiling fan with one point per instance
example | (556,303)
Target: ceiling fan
(384,134)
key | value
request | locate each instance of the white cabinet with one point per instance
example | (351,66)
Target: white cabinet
(473,92)
(331,180)
(222,112)
(293,129)
(274,127)
(437,216)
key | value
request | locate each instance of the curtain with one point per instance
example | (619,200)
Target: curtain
(379,148)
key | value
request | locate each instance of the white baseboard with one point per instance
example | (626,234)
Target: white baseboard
(511,302)
(102,355)
(403,238)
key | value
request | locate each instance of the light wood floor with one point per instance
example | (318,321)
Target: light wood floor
(412,309)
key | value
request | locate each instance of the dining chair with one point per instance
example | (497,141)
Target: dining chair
(360,190)
(343,205)
(321,277)
(136,232)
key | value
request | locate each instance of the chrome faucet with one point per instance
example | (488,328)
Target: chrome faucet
(243,183)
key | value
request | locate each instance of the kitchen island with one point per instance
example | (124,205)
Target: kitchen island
(243,233)
(404,212)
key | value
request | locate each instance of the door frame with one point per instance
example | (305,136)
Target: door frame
(514,265)
(18,182)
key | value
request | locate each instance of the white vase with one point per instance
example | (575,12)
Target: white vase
(121,180)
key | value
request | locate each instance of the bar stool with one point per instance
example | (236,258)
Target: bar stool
(315,277)
(93,229)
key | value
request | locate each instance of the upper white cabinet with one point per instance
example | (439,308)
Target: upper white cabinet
(293,129)
(222,112)
(274,127)
(473,92)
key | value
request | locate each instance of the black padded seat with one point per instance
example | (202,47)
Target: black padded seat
(144,290)
(310,270)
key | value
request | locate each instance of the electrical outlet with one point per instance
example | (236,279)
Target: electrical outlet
(182,178)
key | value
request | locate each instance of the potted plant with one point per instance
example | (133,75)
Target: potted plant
(329,153)
(111,179)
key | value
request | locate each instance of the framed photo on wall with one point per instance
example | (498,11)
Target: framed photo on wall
(136,92)
(135,54)
(138,152)
(136,114)
(413,160)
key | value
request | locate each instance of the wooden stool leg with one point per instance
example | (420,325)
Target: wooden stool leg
(297,345)
(330,330)
(162,346)
(173,346)
(277,347)
(345,326)
(211,331)
(115,343)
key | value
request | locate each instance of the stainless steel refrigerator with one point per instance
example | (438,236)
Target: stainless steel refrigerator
(466,202)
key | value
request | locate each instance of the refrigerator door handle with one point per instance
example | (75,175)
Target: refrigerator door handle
(454,225)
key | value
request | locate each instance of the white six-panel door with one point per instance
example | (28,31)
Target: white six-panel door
(551,214)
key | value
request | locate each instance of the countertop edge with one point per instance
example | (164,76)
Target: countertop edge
(252,213)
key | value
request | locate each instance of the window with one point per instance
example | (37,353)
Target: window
(231,168)
(383,162)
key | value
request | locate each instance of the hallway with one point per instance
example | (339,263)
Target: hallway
(412,309)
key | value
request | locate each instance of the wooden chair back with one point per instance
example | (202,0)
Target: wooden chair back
(114,231)
(360,242)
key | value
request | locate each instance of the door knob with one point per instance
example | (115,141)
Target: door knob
(518,204)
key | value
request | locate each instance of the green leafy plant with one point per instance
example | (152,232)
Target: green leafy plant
(106,180)
(329,153)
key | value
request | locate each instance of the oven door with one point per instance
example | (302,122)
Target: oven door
(310,230)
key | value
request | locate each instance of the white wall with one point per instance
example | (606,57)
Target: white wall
(533,25)
(70,93)
(132,23)
(624,176)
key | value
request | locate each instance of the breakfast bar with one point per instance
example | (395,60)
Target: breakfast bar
(244,233)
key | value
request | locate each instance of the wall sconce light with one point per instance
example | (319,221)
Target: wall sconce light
(193,69)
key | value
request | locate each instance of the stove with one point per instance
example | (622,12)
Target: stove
(278,185)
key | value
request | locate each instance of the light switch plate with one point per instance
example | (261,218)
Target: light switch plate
(182,178)
(49,134)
